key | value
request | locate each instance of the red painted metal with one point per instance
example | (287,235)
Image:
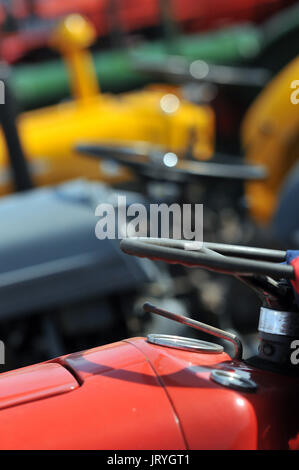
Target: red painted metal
(33,383)
(135,395)
(120,404)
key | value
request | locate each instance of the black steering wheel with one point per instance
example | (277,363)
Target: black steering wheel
(228,259)
(154,163)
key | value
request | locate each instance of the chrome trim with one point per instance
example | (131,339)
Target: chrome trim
(233,380)
(276,322)
(186,344)
(211,330)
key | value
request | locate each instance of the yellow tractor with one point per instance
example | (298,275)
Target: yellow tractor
(157,115)
(270,136)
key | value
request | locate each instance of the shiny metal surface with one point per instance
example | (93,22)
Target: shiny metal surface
(233,380)
(276,322)
(186,344)
(211,330)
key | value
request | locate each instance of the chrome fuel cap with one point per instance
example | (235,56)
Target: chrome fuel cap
(186,344)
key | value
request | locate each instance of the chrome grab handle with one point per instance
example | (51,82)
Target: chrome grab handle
(211,330)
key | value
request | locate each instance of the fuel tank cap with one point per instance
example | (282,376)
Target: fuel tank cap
(186,344)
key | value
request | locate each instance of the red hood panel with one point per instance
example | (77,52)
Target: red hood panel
(121,404)
(211,416)
(100,360)
(136,395)
(33,383)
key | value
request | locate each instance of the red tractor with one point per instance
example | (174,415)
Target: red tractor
(169,392)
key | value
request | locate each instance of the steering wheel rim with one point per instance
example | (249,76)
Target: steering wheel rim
(150,163)
(245,260)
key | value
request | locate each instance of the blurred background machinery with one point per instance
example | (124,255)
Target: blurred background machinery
(185,102)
